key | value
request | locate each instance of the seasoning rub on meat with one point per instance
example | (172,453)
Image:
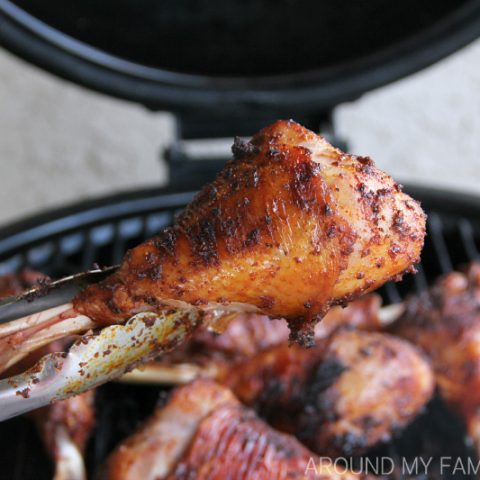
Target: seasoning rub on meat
(290,227)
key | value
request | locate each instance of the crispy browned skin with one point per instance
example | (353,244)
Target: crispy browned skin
(445,323)
(205,433)
(154,450)
(249,334)
(291,226)
(234,443)
(348,393)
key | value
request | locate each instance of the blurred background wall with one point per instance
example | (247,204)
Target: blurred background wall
(60,143)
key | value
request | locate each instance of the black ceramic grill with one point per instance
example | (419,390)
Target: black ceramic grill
(236,58)
(225,67)
(72,239)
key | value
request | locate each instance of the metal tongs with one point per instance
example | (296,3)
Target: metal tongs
(97,357)
(49,295)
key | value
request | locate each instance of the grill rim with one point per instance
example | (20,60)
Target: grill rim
(59,221)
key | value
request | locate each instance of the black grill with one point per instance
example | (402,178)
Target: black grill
(73,239)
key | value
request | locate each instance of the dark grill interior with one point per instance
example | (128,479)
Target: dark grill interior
(72,240)
(242,37)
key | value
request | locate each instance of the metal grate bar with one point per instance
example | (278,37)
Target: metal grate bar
(393,295)
(155,222)
(126,231)
(467,235)
(118,248)
(436,230)
(13,264)
(89,251)
(420,279)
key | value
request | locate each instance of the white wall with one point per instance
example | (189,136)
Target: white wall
(425,128)
(60,143)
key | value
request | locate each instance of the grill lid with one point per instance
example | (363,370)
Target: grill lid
(234,57)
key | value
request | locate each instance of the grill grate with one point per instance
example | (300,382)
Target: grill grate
(71,240)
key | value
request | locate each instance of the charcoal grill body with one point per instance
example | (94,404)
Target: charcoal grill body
(224,67)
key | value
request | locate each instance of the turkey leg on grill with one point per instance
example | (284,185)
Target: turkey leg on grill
(203,432)
(349,392)
(290,227)
(340,398)
(445,322)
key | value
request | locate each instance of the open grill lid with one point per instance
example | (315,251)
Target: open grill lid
(236,57)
